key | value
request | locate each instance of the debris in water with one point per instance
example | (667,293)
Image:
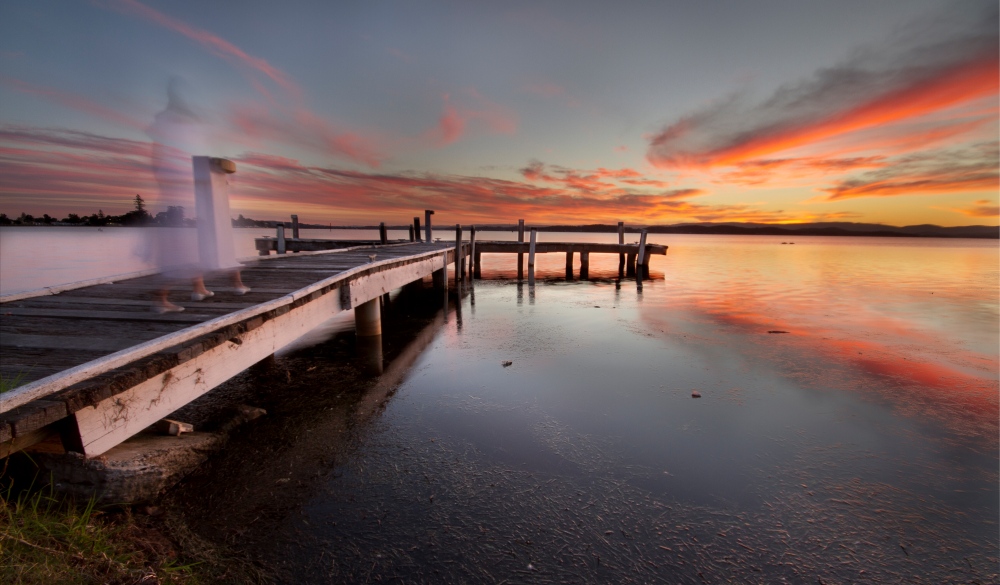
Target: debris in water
(506,363)
(695,394)
(777,331)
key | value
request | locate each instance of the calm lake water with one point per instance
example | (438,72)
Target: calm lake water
(847,429)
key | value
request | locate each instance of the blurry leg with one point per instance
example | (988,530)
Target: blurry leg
(238,286)
(162,305)
(199,292)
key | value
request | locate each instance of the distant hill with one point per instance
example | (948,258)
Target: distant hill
(796,229)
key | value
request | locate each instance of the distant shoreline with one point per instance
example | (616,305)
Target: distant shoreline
(839,230)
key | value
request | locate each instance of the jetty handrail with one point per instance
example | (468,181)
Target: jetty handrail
(61,380)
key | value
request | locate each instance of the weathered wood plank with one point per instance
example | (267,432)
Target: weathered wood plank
(185,317)
(63,342)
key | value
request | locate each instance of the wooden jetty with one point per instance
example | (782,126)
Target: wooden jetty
(100,367)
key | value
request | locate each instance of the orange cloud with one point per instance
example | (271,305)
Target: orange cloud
(58,172)
(870,113)
(981,208)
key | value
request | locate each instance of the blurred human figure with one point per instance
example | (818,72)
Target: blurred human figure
(177,133)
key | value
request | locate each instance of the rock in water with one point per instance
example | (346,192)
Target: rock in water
(506,363)
(695,394)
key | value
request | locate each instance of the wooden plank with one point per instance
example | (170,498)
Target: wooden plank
(63,300)
(184,317)
(493,247)
(121,416)
(43,440)
(71,343)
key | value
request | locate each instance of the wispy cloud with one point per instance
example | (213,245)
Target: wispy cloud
(60,171)
(927,86)
(980,208)
(469,106)
(73,102)
(212,42)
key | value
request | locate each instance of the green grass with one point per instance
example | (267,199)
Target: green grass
(46,538)
(8,383)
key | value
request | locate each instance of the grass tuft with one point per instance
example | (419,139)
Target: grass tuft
(8,383)
(46,538)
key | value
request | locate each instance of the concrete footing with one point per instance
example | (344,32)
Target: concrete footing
(141,468)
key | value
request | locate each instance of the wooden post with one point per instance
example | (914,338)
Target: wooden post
(295,226)
(531,259)
(427,224)
(630,264)
(458,251)
(383,236)
(569,263)
(621,242)
(416,228)
(412,237)
(473,264)
(520,256)
(281,239)
(368,318)
(584,264)
(643,257)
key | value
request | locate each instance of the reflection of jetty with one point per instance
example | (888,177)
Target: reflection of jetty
(100,367)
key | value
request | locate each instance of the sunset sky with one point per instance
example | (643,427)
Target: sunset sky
(576,112)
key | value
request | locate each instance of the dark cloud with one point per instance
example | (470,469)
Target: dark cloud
(926,67)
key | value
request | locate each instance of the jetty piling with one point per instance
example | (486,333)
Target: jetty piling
(281,239)
(520,256)
(621,242)
(531,259)
(295,226)
(416,228)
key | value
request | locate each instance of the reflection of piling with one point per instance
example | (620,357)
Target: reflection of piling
(520,256)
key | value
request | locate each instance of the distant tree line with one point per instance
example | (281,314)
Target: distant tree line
(138,216)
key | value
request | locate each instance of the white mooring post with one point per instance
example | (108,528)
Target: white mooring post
(281,239)
(216,247)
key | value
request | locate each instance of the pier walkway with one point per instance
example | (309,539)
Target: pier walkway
(96,366)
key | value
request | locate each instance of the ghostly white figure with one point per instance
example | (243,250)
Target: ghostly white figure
(177,133)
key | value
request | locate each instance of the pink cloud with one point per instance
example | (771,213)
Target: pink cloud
(73,102)
(455,118)
(59,172)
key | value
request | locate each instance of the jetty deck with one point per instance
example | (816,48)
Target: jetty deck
(96,366)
